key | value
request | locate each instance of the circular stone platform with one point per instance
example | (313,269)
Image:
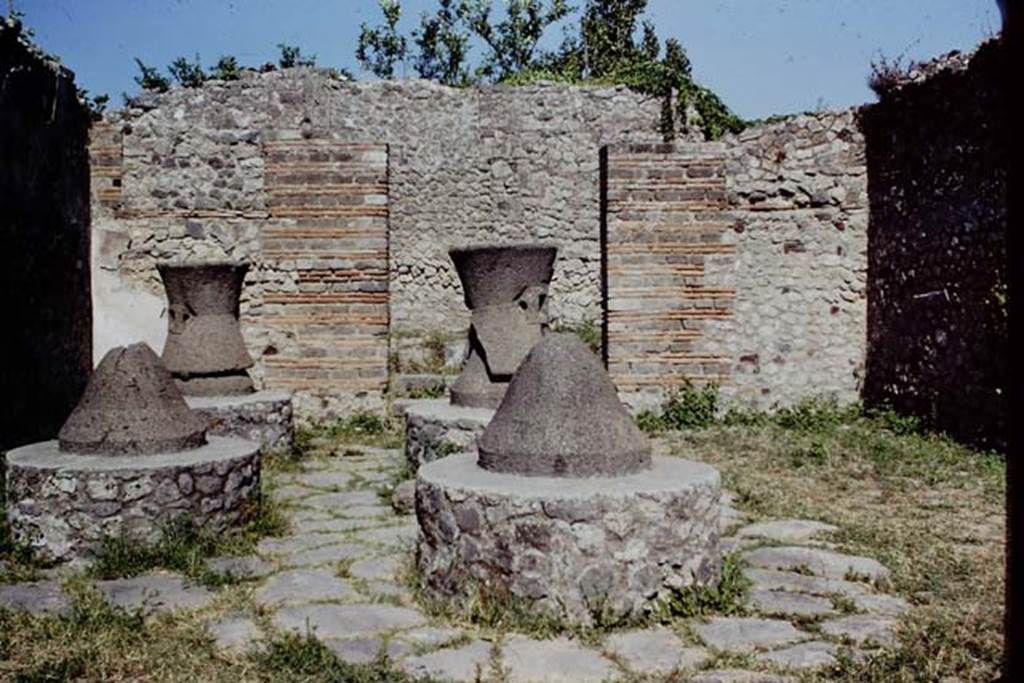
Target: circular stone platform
(570,547)
(434,428)
(264,417)
(65,503)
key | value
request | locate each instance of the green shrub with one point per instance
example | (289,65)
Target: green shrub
(226,69)
(686,407)
(188,74)
(726,598)
(151,79)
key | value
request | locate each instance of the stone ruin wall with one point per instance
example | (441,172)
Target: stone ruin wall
(185,175)
(741,263)
(45,350)
(190,174)
(938,157)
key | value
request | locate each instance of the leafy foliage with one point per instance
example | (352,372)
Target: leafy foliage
(588,331)
(513,41)
(96,104)
(150,78)
(291,56)
(226,69)
(443,46)
(185,548)
(381,47)
(726,598)
(604,51)
(687,407)
(188,74)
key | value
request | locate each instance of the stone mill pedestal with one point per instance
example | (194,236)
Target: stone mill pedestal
(130,459)
(207,356)
(506,289)
(564,509)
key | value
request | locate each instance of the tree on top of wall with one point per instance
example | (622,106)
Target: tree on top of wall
(612,46)
(443,45)
(380,48)
(512,43)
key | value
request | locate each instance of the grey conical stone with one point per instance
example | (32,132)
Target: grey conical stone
(562,417)
(131,406)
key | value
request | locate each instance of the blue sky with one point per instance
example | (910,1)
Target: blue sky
(762,57)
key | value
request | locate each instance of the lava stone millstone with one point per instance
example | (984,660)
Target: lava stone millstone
(205,350)
(561,417)
(131,406)
(495,274)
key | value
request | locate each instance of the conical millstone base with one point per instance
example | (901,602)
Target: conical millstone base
(131,406)
(562,417)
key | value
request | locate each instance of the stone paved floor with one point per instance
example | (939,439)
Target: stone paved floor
(336,573)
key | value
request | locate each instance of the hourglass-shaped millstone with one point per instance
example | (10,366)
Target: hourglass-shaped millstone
(205,351)
(506,290)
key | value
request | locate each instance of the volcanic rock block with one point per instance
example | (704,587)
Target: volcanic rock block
(205,350)
(562,417)
(131,407)
(506,290)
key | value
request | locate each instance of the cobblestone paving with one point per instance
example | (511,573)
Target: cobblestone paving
(338,574)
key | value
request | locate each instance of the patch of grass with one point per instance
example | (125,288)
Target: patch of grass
(97,642)
(361,428)
(844,604)
(432,362)
(485,607)
(295,657)
(929,509)
(727,598)
(429,391)
(184,548)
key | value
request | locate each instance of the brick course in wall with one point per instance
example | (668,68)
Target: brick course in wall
(662,222)
(739,263)
(328,228)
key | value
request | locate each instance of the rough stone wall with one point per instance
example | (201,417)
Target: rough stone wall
(45,349)
(797,193)
(746,263)
(938,157)
(492,164)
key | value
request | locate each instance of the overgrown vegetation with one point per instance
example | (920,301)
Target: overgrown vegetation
(295,657)
(185,548)
(97,642)
(727,598)
(188,74)
(291,56)
(685,407)
(927,507)
(604,50)
(362,427)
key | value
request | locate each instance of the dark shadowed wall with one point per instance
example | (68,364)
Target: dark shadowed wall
(45,348)
(937,155)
